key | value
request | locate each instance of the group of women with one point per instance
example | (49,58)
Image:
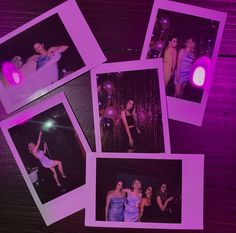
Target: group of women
(133,205)
(178,65)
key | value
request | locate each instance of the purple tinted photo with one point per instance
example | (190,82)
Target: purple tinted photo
(50,150)
(159,191)
(187,38)
(130,108)
(44,54)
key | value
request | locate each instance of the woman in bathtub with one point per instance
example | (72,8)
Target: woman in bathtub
(45,161)
(43,55)
(37,60)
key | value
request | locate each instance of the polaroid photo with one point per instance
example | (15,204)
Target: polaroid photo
(50,150)
(129,104)
(45,53)
(188,39)
(162,191)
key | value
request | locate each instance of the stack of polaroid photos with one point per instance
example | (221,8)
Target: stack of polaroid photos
(132,180)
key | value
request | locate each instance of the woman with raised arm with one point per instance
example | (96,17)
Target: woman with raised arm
(163,202)
(45,161)
(115,203)
(43,55)
(132,207)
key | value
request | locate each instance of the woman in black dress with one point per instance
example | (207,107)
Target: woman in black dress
(131,134)
(146,206)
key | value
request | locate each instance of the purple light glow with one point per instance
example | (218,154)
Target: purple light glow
(159,45)
(110,112)
(200,72)
(199,76)
(11,74)
(16,77)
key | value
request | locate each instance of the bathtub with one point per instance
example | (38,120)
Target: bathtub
(33,82)
(33,175)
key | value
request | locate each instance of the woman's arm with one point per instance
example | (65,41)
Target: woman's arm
(123,117)
(160,204)
(45,146)
(181,53)
(135,119)
(142,205)
(32,58)
(126,190)
(58,49)
(108,199)
(174,61)
(38,142)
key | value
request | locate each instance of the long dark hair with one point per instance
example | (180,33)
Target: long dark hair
(144,190)
(127,100)
(116,182)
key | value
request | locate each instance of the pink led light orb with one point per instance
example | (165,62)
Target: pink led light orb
(199,76)
(200,72)
(11,74)
(16,77)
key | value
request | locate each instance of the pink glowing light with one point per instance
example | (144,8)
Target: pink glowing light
(108,86)
(16,77)
(200,72)
(11,74)
(199,76)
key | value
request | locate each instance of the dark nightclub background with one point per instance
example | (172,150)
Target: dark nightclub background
(120,27)
(115,89)
(63,145)
(149,172)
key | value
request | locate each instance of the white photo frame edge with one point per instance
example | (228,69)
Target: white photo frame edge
(190,163)
(179,109)
(130,66)
(85,43)
(64,205)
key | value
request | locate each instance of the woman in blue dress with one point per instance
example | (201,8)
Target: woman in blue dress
(185,60)
(115,203)
(43,55)
(45,161)
(132,207)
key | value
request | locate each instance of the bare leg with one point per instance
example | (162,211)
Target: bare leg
(55,176)
(178,88)
(182,89)
(60,168)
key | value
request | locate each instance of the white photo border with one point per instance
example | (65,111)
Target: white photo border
(130,66)
(67,203)
(179,109)
(80,34)
(192,191)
